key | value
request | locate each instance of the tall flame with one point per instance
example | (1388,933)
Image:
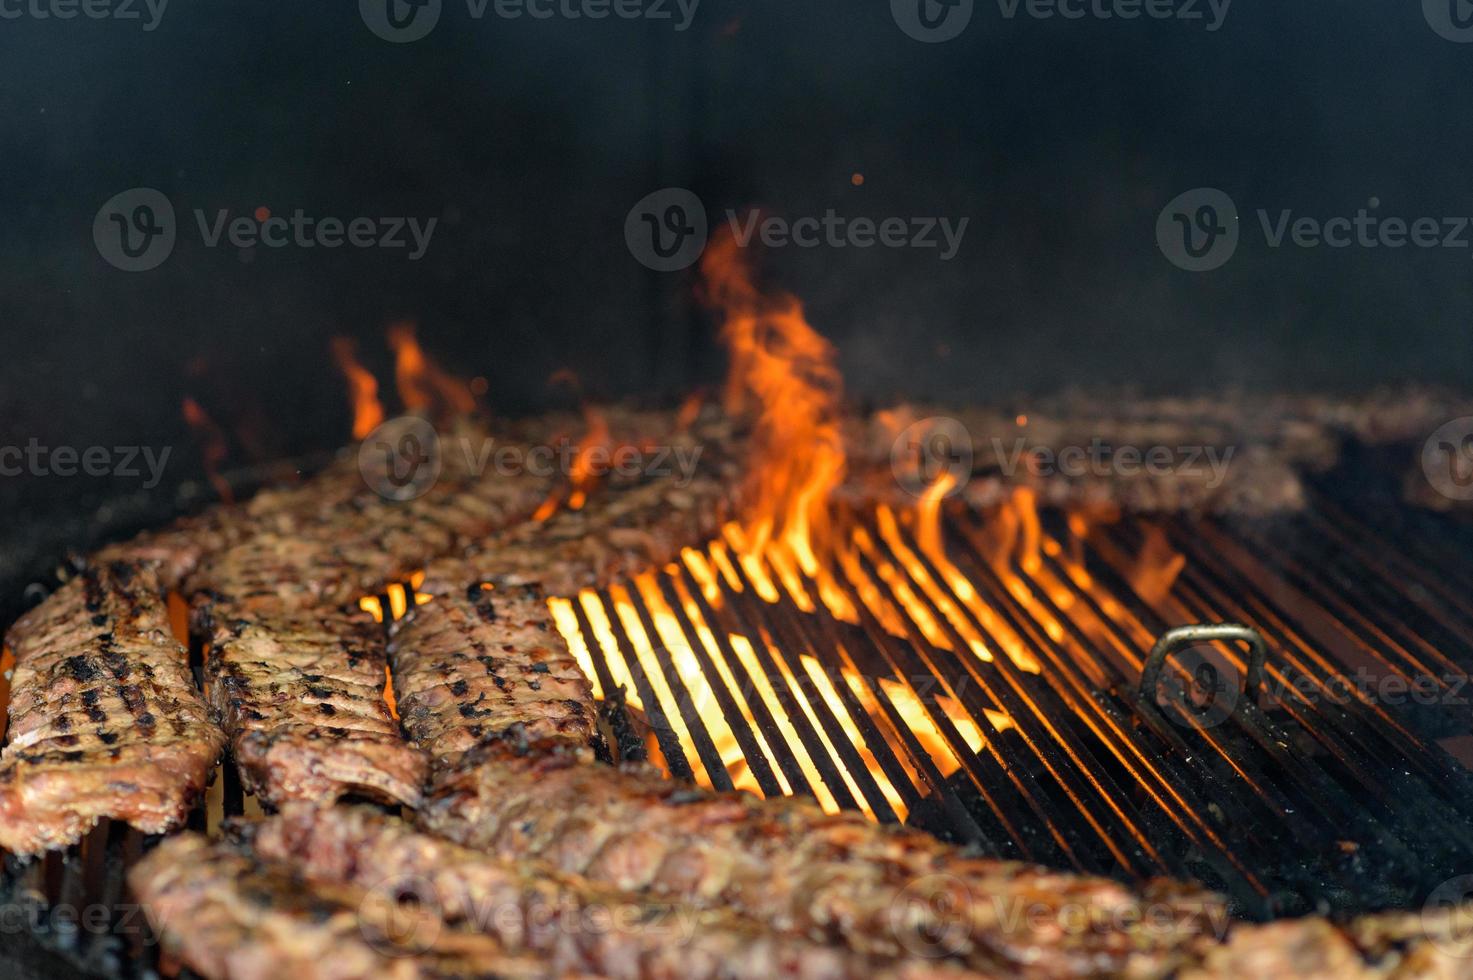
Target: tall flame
(368,413)
(783,373)
(423,386)
(213,446)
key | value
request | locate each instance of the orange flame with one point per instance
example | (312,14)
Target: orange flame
(212,446)
(783,371)
(583,475)
(422,384)
(368,414)
(1156,566)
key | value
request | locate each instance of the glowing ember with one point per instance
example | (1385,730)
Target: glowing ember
(368,414)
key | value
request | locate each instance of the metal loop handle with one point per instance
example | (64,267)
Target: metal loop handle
(1181,638)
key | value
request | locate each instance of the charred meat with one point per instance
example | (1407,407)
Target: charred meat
(301,696)
(104,717)
(473,663)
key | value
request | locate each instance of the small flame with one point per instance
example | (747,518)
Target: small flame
(783,372)
(368,414)
(690,410)
(422,385)
(1156,567)
(212,446)
(583,475)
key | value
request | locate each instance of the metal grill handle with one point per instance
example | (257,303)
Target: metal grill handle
(1183,637)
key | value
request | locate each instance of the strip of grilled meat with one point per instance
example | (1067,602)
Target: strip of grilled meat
(335,554)
(785,863)
(230,916)
(476,662)
(104,717)
(623,530)
(301,696)
(578,924)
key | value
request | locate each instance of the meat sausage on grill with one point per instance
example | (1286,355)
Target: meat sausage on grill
(104,717)
(787,864)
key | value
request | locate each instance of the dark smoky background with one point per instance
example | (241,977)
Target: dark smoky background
(529,140)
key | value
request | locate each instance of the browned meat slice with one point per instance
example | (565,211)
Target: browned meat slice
(301,696)
(620,531)
(880,891)
(178,549)
(230,916)
(104,717)
(333,554)
(470,665)
(1430,944)
(531,906)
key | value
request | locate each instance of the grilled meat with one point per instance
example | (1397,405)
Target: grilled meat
(230,916)
(104,717)
(531,906)
(784,863)
(334,554)
(619,532)
(1434,944)
(301,696)
(472,664)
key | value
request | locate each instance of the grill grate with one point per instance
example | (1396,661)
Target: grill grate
(979,676)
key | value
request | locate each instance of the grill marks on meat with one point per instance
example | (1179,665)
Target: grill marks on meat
(484,661)
(332,555)
(785,863)
(301,697)
(104,717)
(530,906)
(227,914)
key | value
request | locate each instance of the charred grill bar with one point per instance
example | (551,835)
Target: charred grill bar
(978,675)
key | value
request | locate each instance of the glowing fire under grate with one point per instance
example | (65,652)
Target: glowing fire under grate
(977,675)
